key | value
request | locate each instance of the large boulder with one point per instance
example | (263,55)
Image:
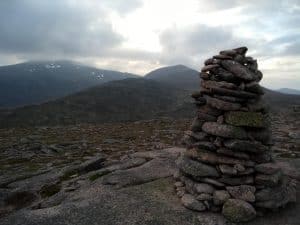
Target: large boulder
(236,210)
(247,119)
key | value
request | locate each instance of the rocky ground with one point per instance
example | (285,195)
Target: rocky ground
(113,173)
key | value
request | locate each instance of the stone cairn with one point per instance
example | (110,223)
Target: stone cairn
(227,165)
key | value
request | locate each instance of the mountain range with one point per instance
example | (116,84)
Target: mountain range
(37,82)
(162,92)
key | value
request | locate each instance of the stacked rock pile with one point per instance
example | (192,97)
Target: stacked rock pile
(227,165)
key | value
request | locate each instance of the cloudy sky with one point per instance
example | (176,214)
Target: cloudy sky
(140,35)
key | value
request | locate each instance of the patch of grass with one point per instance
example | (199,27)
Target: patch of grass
(49,190)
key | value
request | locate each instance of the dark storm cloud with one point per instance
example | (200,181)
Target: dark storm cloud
(59,27)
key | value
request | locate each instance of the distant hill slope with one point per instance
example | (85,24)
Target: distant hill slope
(279,101)
(123,100)
(289,91)
(178,76)
(36,82)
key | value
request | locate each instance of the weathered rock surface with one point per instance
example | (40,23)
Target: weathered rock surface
(224,130)
(191,203)
(236,210)
(246,119)
(243,192)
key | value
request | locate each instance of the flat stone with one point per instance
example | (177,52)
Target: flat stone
(232,181)
(268,180)
(245,146)
(196,169)
(210,110)
(243,192)
(267,168)
(235,154)
(236,210)
(192,203)
(212,181)
(247,119)
(229,52)
(205,145)
(278,196)
(241,50)
(211,61)
(213,158)
(230,99)
(226,169)
(204,76)
(229,92)
(224,130)
(222,57)
(206,117)
(220,197)
(222,105)
(221,84)
(239,70)
(199,136)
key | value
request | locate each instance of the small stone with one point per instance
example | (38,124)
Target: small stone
(267,168)
(230,52)
(224,130)
(236,210)
(235,154)
(254,87)
(222,57)
(221,84)
(204,197)
(212,182)
(196,169)
(241,50)
(191,203)
(220,197)
(199,136)
(218,142)
(247,146)
(213,158)
(210,110)
(237,180)
(205,145)
(239,167)
(226,169)
(220,119)
(206,117)
(243,192)
(222,105)
(268,180)
(204,76)
(246,119)
(204,188)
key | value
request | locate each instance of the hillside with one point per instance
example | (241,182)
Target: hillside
(289,91)
(36,82)
(178,76)
(124,100)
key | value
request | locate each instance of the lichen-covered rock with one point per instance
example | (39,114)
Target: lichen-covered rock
(192,203)
(223,130)
(246,119)
(243,192)
(236,210)
(196,169)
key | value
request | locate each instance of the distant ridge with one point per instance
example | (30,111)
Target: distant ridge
(289,91)
(41,81)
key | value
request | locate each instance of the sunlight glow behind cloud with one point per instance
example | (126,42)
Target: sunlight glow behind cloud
(140,35)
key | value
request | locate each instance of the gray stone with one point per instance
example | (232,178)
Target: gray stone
(237,180)
(246,119)
(197,124)
(191,203)
(236,210)
(223,130)
(239,70)
(220,197)
(243,192)
(196,169)
(228,152)
(246,146)
(226,169)
(205,145)
(213,158)
(222,105)
(267,168)
(278,196)
(209,67)
(208,84)
(268,180)
(212,182)
(204,197)
(210,110)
